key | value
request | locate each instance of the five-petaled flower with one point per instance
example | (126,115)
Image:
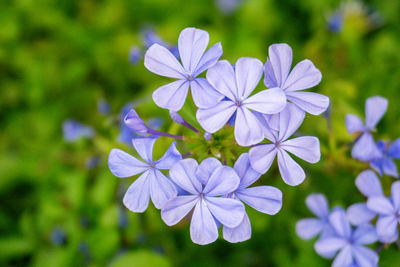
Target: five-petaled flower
(192,44)
(152,182)
(206,185)
(349,242)
(384,162)
(236,84)
(304,147)
(365,149)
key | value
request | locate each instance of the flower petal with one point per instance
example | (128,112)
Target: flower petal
(203,228)
(245,172)
(209,59)
(380,205)
(213,119)
(354,124)
(122,164)
(329,246)
(365,149)
(375,108)
(248,130)
(169,159)
(137,196)
(309,228)
(305,147)
(222,181)
(192,43)
(265,199)
(368,184)
(365,257)
(395,190)
(204,95)
(171,96)
(386,228)
(240,233)
(291,172)
(160,60)
(290,120)
(389,167)
(278,65)
(248,73)
(177,208)
(161,188)
(265,119)
(206,168)
(303,76)
(144,147)
(364,234)
(344,258)
(134,122)
(268,101)
(340,223)
(262,156)
(222,77)
(310,102)
(227,211)
(318,205)
(394,149)
(183,174)
(359,214)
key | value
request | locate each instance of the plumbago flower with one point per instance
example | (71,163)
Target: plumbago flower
(265,199)
(304,147)
(74,130)
(369,185)
(214,191)
(384,163)
(205,188)
(152,182)
(192,43)
(348,242)
(310,227)
(389,213)
(236,85)
(364,148)
(303,76)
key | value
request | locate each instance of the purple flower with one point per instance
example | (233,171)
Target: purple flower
(228,6)
(304,147)
(303,76)
(134,55)
(74,130)
(389,213)
(384,163)
(335,22)
(204,183)
(350,243)
(369,185)
(236,85)
(310,227)
(265,199)
(152,182)
(364,149)
(192,43)
(126,134)
(103,107)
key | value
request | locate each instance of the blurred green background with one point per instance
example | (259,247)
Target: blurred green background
(58,58)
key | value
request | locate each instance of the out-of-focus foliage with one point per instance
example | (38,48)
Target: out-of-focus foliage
(59,58)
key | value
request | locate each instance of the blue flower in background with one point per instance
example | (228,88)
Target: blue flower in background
(150,38)
(348,243)
(384,163)
(310,227)
(369,185)
(265,199)
(103,107)
(228,6)
(58,236)
(303,76)
(389,213)
(205,184)
(335,22)
(192,44)
(237,85)
(364,148)
(74,130)
(304,147)
(126,134)
(152,182)
(134,55)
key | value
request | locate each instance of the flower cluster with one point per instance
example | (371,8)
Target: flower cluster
(334,227)
(263,120)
